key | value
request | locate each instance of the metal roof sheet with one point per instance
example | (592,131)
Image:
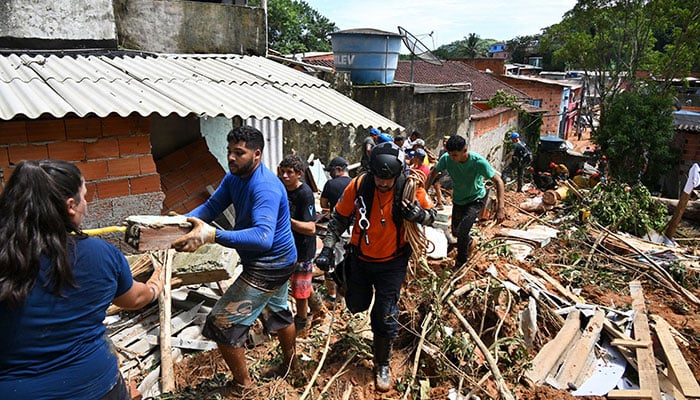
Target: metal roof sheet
(58,84)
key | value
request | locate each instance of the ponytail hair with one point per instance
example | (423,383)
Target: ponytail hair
(34,223)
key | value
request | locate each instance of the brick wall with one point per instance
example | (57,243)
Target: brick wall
(186,173)
(549,94)
(113,153)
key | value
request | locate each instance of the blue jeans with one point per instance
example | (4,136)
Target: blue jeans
(384,280)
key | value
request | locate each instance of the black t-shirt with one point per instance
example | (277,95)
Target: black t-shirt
(334,188)
(302,208)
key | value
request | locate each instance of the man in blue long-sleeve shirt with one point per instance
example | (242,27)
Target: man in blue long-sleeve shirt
(262,236)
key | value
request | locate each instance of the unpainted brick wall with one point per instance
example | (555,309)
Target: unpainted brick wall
(113,153)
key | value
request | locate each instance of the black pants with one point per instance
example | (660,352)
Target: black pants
(384,280)
(463,218)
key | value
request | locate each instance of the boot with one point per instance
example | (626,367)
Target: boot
(382,354)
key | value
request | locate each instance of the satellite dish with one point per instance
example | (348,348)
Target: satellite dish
(417,49)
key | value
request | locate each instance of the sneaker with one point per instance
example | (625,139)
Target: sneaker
(382,377)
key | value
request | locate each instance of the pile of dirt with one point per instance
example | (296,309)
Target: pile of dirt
(449,314)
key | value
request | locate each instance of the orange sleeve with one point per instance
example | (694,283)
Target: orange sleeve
(423,198)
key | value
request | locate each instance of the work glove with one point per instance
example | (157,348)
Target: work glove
(412,211)
(201,234)
(155,282)
(325,259)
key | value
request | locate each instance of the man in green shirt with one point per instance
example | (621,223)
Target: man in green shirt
(468,171)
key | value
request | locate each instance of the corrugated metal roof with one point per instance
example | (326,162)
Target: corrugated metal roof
(33,85)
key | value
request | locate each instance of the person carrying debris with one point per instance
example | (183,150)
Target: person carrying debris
(303,216)
(559,171)
(55,288)
(519,157)
(468,170)
(262,236)
(378,257)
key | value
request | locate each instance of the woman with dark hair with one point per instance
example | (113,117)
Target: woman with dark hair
(55,286)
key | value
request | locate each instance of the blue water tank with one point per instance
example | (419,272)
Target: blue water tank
(370,55)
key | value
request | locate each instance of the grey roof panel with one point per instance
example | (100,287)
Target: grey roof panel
(203,85)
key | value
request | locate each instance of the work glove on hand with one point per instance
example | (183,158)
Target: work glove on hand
(413,212)
(201,234)
(325,259)
(155,282)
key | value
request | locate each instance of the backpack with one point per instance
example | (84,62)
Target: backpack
(523,155)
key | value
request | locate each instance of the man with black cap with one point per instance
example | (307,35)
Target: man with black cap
(332,190)
(378,256)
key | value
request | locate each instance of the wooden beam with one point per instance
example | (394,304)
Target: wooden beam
(552,353)
(677,365)
(581,356)
(630,344)
(167,382)
(646,365)
(630,395)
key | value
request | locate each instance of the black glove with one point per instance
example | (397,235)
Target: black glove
(413,212)
(325,259)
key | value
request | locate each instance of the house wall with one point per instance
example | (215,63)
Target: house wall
(113,153)
(488,133)
(44,24)
(495,65)
(550,95)
(192,27)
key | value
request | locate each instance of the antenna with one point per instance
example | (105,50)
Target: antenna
(417,49)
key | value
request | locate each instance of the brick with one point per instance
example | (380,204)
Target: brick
(116,126)
(91,191)
(93,170)
(83,128)
(123,167)
(6,174)
(196,185)
(4,158)
(28,152)
(102,148)
(134,145)
(12,132)
(69,151)
(147,165)
(194,203)
(47,130)
(145,184)
(176,196)
(142,125)
(114,188)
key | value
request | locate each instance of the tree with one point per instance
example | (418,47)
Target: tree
(294,27)
(613,40)
(638,135)
(471,46)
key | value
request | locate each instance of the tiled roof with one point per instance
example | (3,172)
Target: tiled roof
(687,121)
(123,83)
(484,86)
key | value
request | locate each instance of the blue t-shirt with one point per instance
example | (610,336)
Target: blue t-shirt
(55,347)
(262,234)
(467,177)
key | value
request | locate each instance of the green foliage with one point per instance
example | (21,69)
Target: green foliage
(636,135)
(627,209)
(612,40)
(530,124)
(471,46)
(294,27)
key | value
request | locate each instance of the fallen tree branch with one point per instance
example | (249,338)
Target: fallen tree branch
(500,382)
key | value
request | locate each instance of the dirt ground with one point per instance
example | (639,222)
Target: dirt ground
(447,363)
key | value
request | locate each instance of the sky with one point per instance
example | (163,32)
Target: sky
(448,20)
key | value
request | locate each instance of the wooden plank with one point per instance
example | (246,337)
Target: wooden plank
(630,394)
(552,353)
(564,291)
(581,356)
(630,344)
(678,368)
(646,365)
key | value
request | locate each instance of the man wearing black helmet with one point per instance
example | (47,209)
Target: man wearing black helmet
(379,252)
